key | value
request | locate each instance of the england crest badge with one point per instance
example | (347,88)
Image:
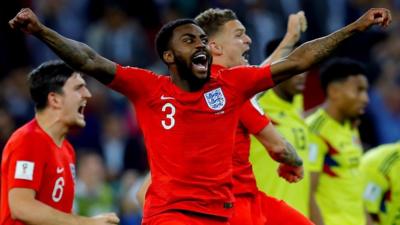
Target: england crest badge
(215,99)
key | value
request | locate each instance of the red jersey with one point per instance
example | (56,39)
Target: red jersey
(251,121)
(32,160)
(189,136)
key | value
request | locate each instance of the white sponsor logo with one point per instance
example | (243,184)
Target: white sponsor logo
(215,99)
(24,170)
(166,98)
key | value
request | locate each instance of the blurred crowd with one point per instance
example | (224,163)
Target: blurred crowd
(111,154)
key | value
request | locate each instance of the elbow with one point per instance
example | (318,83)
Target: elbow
(18,212)
(21,203)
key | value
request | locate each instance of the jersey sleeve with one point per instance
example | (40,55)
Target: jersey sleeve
(375,186)
(252,117)
(317,151)
(27,163)
(133,82)
(249,80)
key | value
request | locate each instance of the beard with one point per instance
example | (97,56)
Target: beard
(186,73)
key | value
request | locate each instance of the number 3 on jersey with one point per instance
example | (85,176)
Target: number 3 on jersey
(169,120)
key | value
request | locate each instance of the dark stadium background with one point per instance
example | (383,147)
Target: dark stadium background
(110,149)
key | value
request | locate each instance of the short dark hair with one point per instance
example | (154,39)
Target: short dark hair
(165,34)
(48,77)
(212,20)
(339,69)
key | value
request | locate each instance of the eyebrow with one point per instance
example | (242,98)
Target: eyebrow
(193,36)
(81,84)
(240,29)
(188,34)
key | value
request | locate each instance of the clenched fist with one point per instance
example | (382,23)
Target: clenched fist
(26,21)
(374,16)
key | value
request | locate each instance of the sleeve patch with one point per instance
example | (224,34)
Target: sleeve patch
(24,170)
(372,192)
(313,153)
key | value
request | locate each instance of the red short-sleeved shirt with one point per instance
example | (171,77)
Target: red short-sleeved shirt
(190,135)
(32,160)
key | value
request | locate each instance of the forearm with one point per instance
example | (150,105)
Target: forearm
(37,213)
(309,54)
(283,49)
(287,155)
(315,213)
(317,50)
(24,207)
(277,147)
(78,55)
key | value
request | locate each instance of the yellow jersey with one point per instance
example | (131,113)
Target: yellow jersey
(339,191)
(381,169)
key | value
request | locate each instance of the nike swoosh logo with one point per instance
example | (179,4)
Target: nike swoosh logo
(60,169)
(166,98)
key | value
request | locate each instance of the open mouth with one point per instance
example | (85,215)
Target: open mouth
(81,109)
(200,61)
(246,55)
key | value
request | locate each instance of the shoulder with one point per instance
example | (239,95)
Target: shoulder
(316,121)
(28,134)
(385,155)
(26,142)
(238,70)
(130,70)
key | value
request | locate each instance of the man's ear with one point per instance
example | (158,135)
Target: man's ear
(334,90)
(168,57)
(54,100)
(215,48)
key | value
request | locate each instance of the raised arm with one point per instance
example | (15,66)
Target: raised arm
(297,24)
(313,52)
(76,54)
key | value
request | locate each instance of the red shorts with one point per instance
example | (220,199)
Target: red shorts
(280,213)
(185,218)
(247,210)
(265,210)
